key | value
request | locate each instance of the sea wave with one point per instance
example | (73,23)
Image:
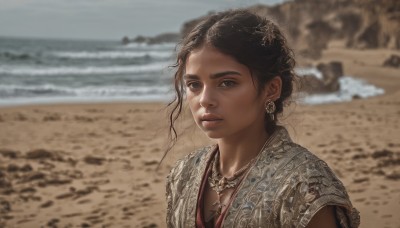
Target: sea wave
(15,55)
(113,54)
(12,91)
(89,70)
(349,88)
(301,71)
(16,101)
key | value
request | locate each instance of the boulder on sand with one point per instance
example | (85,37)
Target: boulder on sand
(331,73)
(392,61)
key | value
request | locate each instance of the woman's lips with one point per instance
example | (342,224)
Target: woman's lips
(210,121)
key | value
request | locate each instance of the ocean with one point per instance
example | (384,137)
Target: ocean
(36,71)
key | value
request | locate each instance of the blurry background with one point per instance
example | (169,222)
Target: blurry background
(92,161)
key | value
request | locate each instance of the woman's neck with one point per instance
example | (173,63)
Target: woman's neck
(237,151)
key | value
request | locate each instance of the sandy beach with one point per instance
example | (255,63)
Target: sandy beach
(94,165)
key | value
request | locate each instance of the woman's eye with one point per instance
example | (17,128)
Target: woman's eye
(227,83)
(193,85)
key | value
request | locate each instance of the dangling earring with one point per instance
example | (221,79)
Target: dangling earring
(270,109)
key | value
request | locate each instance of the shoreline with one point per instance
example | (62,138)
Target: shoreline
(365,65)
(82,103)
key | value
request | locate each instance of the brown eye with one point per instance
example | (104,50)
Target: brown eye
(227,83)
(193,85)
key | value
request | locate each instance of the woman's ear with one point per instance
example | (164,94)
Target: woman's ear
(273,88)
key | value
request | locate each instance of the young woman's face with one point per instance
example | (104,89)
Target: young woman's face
(221,94)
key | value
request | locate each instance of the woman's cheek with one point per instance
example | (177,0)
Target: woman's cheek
(191,101)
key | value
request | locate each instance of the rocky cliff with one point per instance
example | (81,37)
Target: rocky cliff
(161,38)
(311,25)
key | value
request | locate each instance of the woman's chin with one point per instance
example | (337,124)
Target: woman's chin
(212,134)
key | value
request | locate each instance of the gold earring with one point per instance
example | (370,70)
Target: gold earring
(270,109)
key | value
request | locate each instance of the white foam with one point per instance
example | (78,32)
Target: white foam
(68,99)
(349,87)
(64,70)
(97,91)
(307,71)
(88,94)
(113,54)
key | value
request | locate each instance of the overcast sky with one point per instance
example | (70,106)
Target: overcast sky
(104,19)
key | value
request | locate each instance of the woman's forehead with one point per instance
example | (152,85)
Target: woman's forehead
(208,58)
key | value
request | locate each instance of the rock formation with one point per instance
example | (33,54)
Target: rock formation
(125,40)
(392,61)
(331,73)
(161,38)
(311,24)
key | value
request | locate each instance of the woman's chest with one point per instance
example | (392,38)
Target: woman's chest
(254,204)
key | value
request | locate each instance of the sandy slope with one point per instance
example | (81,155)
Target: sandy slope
(94,164)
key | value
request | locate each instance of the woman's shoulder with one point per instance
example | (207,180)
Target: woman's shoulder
(312,184)
(304,162)
(182,177)
(295,156)
(306,168)
(189,162)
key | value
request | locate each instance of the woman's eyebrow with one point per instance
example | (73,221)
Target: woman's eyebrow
(222,74)
(213,76)
(190,76)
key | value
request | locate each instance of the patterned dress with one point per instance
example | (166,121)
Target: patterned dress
(285,187)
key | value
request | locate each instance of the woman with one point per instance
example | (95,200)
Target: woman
(236,71)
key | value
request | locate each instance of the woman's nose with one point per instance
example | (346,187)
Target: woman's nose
(207,98)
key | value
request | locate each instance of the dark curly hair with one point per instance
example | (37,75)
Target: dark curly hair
(253,41)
